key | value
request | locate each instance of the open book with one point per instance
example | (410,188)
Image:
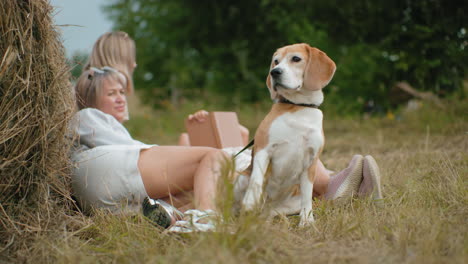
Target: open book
(220,130)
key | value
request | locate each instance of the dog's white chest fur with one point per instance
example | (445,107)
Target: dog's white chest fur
(294,140)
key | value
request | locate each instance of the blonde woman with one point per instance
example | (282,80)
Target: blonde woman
(116,172)
(116,50)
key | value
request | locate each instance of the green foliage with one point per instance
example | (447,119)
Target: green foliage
(422,42)
(194,48)
(76,62)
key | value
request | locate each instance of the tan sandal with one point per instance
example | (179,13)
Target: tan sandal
(195,221)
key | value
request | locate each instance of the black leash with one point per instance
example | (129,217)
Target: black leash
(246,147)
(286,101)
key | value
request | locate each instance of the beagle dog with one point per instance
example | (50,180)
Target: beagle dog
(290,138)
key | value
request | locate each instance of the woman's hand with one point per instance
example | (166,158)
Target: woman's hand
(199,116)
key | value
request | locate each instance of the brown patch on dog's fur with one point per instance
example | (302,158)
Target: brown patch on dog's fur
(267,174)
(278,109)
(261,136)
(296,190)
(312,171)
(319,70)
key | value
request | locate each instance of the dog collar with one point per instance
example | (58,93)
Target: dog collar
(286,101)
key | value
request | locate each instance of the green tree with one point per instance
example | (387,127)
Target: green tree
(203,47)
(422,42)
(76,62)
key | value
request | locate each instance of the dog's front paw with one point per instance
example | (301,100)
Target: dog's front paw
(307,218)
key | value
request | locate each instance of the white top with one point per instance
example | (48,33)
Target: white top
(106,157)
(96,128)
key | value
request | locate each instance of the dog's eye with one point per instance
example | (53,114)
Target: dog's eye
(276,62)
(296,59)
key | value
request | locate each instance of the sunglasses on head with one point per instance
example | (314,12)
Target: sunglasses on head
(103,70)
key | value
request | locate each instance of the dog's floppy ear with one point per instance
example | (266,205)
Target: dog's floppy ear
(319,70)
(273,93)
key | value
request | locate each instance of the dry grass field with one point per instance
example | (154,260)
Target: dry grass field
(424,162)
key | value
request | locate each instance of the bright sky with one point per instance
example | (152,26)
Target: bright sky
(86,19)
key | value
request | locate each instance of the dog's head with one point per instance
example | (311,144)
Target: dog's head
(299,67)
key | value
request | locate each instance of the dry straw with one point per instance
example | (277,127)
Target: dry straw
(36,104)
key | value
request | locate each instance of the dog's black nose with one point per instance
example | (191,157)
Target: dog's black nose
(276,72)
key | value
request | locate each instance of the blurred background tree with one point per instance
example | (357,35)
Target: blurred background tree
(206,48)
(76,62)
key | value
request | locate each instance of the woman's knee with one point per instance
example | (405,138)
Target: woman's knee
(184,139)
(244,134)
(216,155)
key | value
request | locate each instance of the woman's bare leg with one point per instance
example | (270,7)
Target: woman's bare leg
(172,170)
(182,201)
(184,140)
(322,179)
(245,134)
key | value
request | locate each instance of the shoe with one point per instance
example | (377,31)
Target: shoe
(174,212)
(159,212)
(370,185)
(346,183)
(195,221)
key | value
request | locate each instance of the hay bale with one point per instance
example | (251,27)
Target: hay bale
(36,104)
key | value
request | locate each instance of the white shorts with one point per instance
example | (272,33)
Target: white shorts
(108,177)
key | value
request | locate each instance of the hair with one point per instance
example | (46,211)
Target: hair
(89,85)
(116,50)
